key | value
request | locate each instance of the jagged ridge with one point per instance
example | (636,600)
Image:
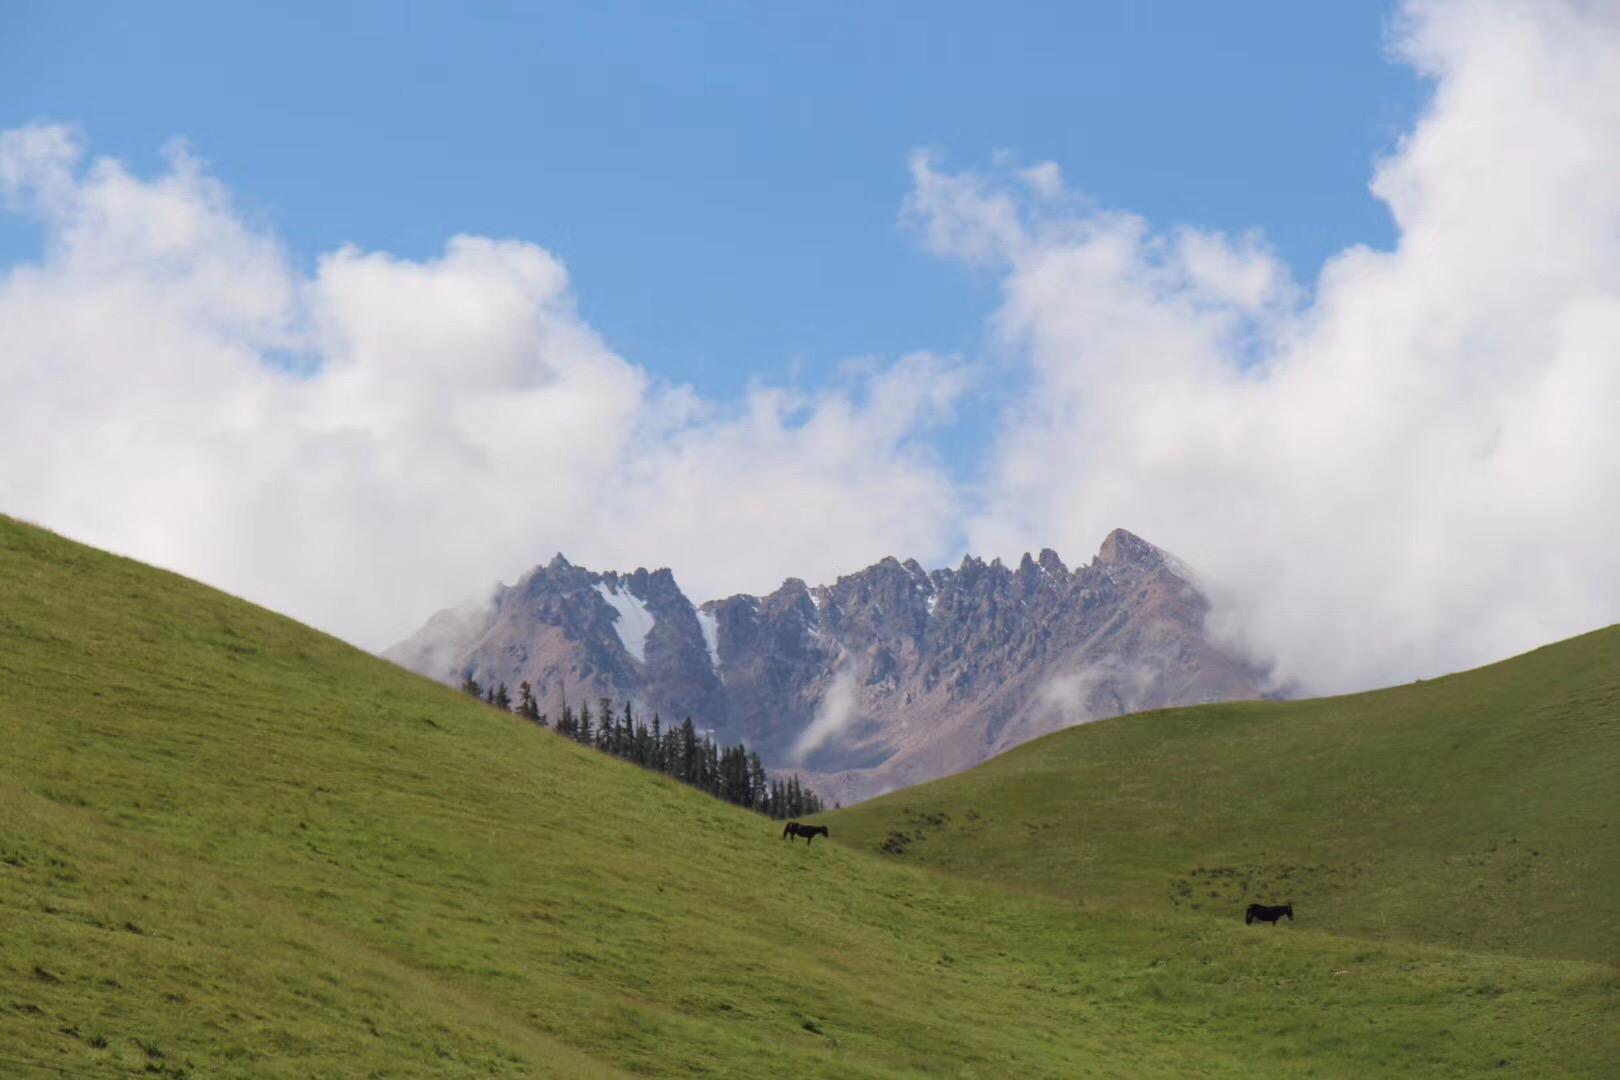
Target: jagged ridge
(887,677)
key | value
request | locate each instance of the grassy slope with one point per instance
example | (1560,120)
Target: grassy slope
(232,846)
(1481,810)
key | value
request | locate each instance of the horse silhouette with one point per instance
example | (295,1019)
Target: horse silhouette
(1268,913)
(809,832)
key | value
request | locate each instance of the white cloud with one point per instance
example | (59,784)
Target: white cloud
(807,485)
(1411,468)
(837,709)
(1072,697)
(965,215)
(359,445)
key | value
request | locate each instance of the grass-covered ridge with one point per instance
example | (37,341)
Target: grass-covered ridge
(1480,810)
(230,845)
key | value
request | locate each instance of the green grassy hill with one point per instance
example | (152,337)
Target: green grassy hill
(232,846)
(1481,810)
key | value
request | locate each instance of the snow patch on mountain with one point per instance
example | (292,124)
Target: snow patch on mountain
(634,621)
(711,636)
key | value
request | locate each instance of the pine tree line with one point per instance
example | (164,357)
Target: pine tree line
(732,773)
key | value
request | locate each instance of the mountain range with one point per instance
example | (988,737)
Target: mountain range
(886,678)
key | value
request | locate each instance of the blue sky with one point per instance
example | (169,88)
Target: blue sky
(723,180)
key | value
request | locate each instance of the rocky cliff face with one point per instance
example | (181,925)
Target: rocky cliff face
(576,635)
(886,678)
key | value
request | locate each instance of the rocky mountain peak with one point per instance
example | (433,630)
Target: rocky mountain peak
(1124,548)
(1050,562)
(647,585)
(792,595)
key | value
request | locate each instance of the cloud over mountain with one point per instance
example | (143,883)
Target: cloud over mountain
(1406,467)
(361,442)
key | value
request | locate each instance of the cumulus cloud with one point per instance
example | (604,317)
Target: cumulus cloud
(1406,468)
(363,442)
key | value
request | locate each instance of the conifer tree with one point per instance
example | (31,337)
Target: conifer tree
(469,685)
(758,793)
(739,779)
(583,729)
(711,767)
(732,773)
(688,753)
(501,699)
(644,746)
(527,707)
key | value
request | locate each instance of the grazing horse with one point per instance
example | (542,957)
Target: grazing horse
(809,832)
(1268,913)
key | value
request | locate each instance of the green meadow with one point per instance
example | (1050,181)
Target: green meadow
(1480,811)
(233,846)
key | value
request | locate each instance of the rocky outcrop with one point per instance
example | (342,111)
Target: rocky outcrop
(885,678)
(576,636)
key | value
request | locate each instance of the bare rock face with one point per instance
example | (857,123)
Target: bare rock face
(886,678)
(576,636)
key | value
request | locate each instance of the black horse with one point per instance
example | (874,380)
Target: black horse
(1268,913)
(809,832)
